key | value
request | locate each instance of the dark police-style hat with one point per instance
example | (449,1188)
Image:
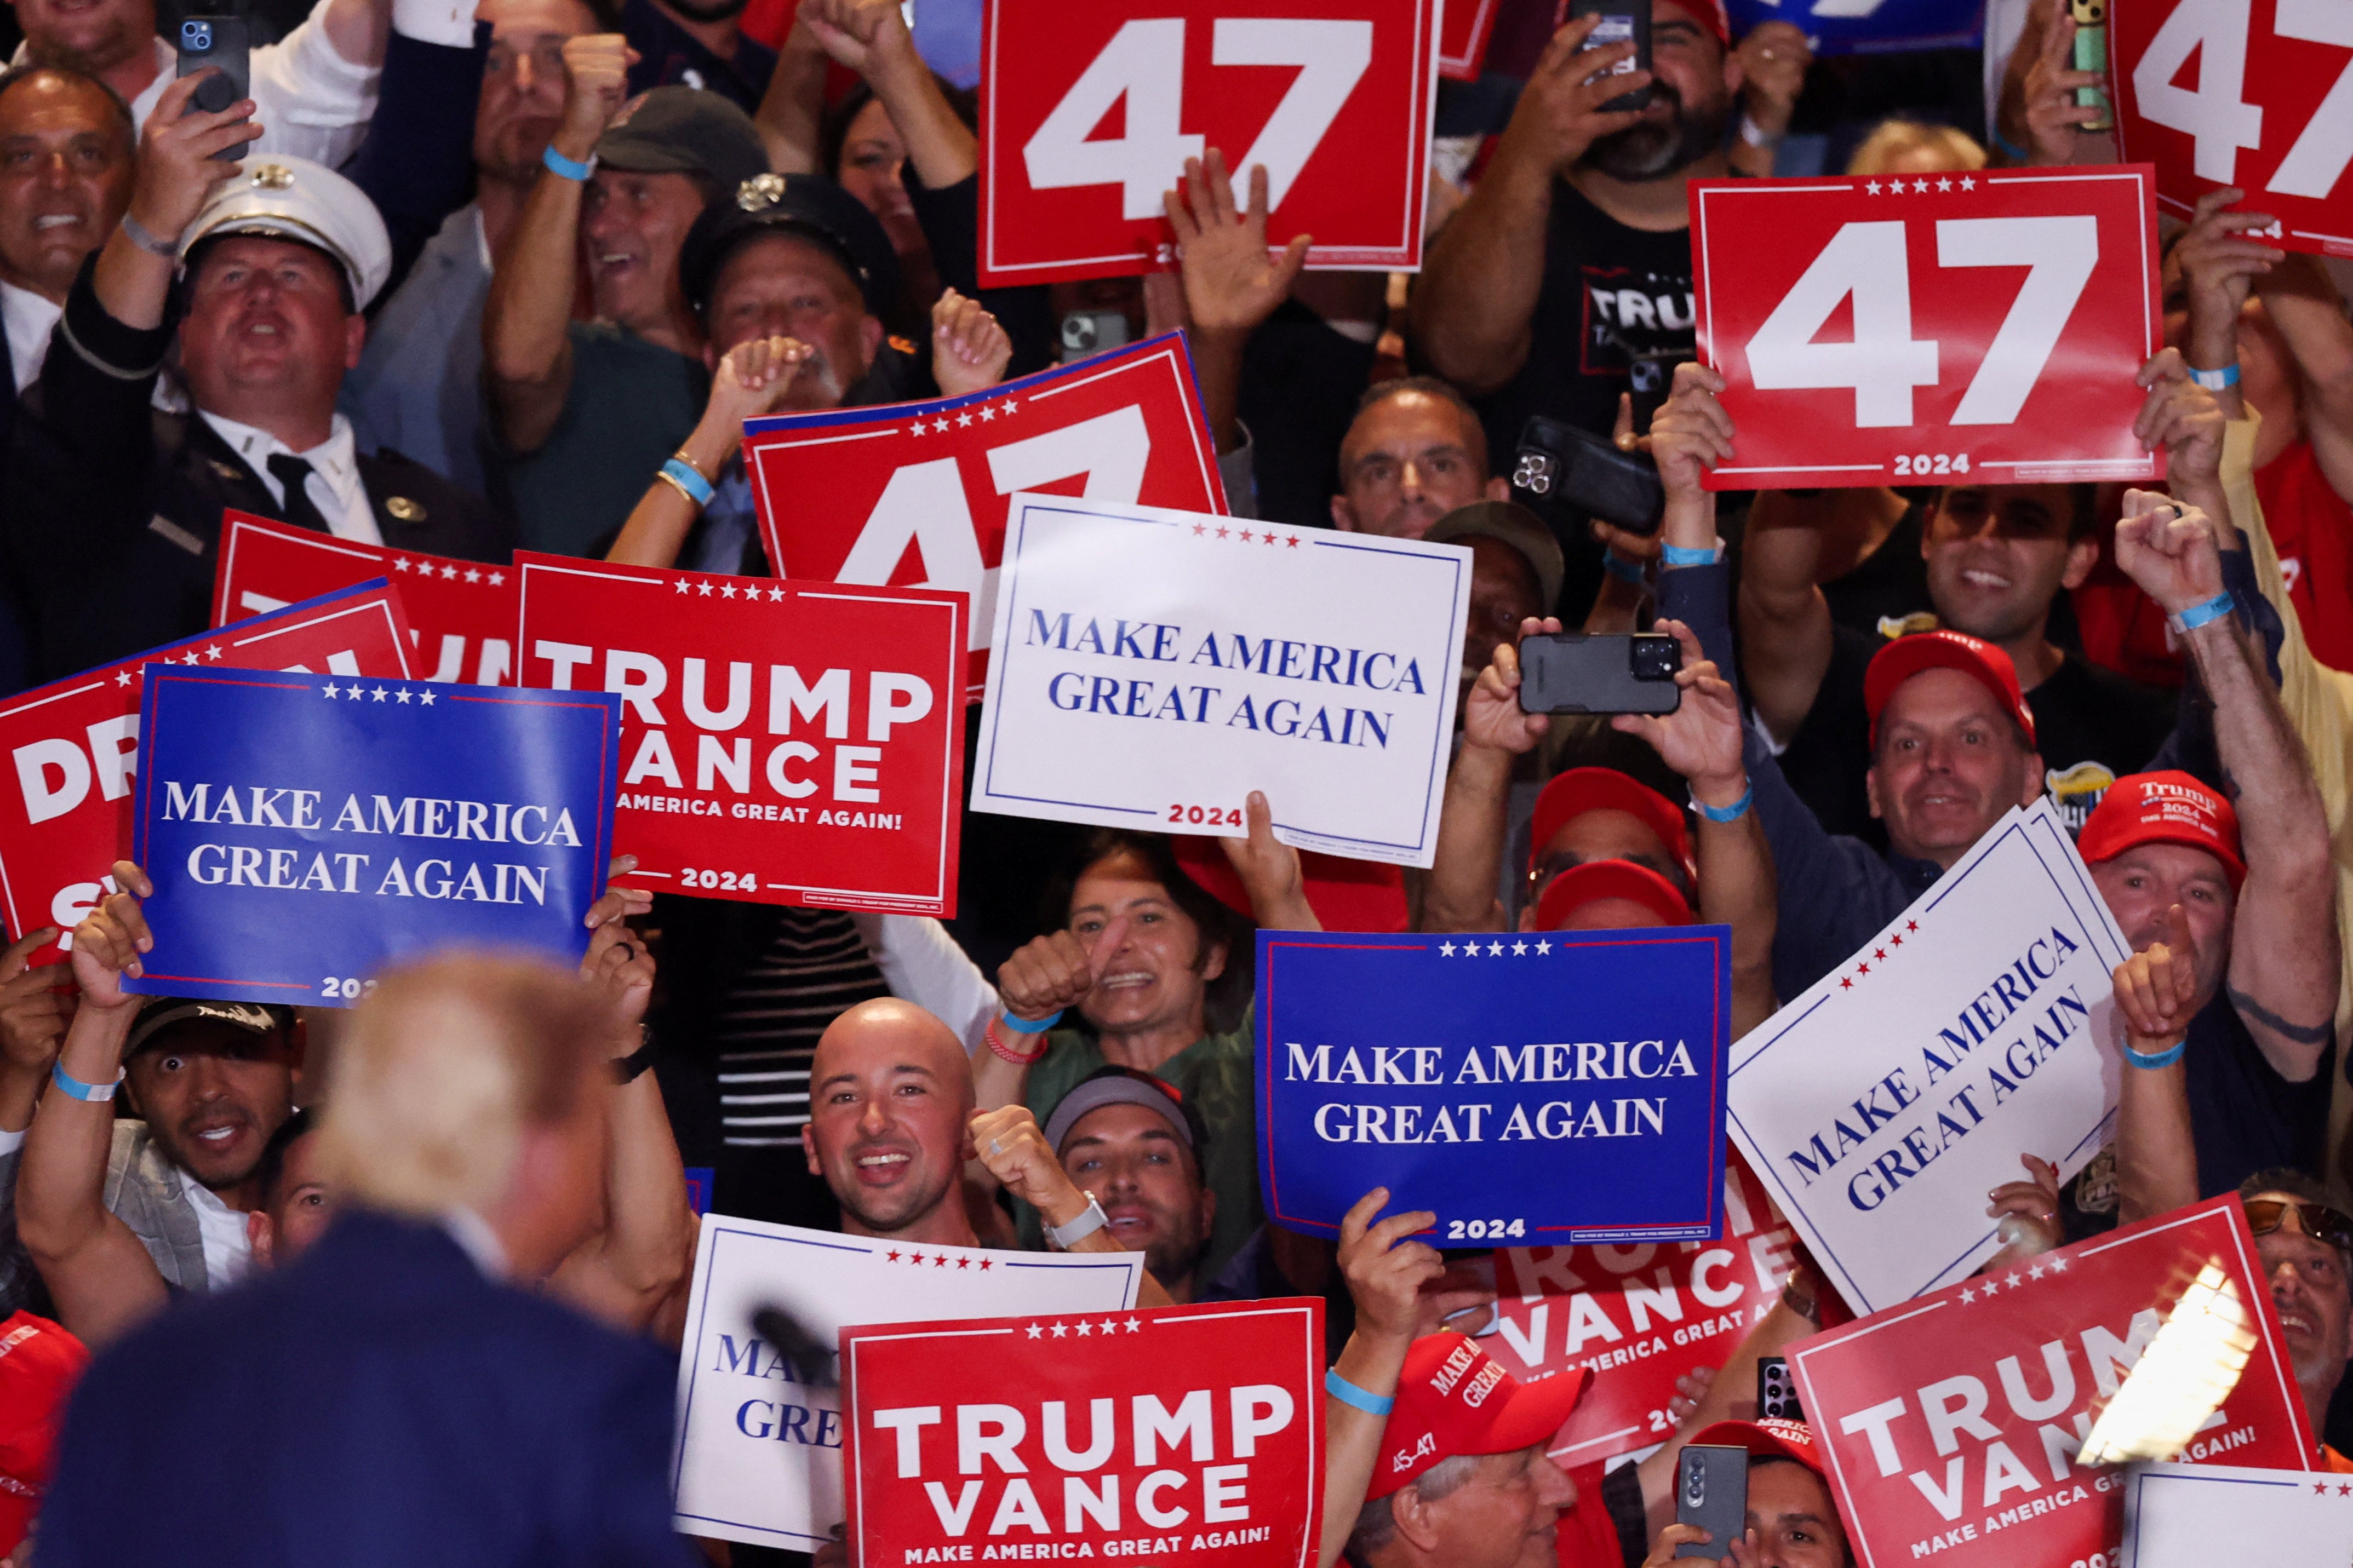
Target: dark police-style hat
(808,205)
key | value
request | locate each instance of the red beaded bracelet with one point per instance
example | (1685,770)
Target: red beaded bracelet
(996,1043)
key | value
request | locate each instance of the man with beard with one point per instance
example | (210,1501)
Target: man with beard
(697,44)
(1130,1139)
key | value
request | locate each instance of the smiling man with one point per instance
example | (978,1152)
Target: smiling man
(1131,1141)
(2307,1247)
(66,145)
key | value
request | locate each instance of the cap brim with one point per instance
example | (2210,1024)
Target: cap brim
(1536,1411)
(1599,880)
(1759,1442)
(1573,794)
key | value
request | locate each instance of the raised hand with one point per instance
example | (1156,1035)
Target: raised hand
(1008,1142)
(855,32)
(752,378)
(1051,974)
(1700,739)
(1386,1267)
(969,348)
(2220,265)
(1270,871)
(2156,988)
(1231,284)
(177,173)
(108,942)
(1773,58)
(1491,712)
(2182,417)
(1691,433)
(2168,549)
(34,1012)
(617,961)
(1559,115)
(595,85)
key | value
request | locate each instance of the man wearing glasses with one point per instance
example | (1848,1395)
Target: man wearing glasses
(2307,1247)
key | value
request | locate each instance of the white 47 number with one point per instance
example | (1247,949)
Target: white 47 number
(2215,113)
(1145,63)
(1885,361)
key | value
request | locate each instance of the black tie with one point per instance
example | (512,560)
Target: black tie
(291,472)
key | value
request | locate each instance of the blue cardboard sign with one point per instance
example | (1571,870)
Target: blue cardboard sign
(1557,1088)
(303,831)
(1870,26)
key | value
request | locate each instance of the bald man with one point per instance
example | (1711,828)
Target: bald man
(891,1123)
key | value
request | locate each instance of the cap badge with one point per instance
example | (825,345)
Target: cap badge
(760,192)
(272,177)
(404,509)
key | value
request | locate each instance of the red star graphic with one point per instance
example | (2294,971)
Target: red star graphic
(1291,540)
(2320,1489)
(941,1261)
(1246,536)
(1224,531)
(1270,539)
(964,1263)
(1200,528)
(894,1257)
(1846,984)
(1911,925)
(1895,941)
(1879,952)
(2344,1492)
(1862,969)
(984,1264)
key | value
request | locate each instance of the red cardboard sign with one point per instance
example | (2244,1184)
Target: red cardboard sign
(2236,94)
(781,743)
(1951,1423)
(918,493)
(1187,1435)
(1905,330)
(1638,1317)
(1462,36)
(460,612)
(72,746)
(1088,114)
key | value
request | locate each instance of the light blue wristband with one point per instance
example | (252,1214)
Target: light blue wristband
(1348,1393)
(1680,556)
(1024,1026)
(69,1084)
(2161,1059)
(2216,379)
(1626,572)
(681,474)
(2197,616)
(569,168)
(1733,813)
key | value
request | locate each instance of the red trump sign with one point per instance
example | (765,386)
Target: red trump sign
(2252,94)
(917,494)
(460,612)
(1953,1423)
(781,743)
(1088,114)
(1903,330)
(1187,1435)
(72,746)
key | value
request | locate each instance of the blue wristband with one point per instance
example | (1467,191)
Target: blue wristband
(1733,813)
(1347,1393)
(1024,1026)
(2161,1059)
(681,473)
(1678,555)
(1625,570)
(69,1084)
(2216,379)
(569,168)
(2197,616)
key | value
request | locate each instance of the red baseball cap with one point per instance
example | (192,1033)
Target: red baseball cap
(1347,895)
(2163,808)
(39,1363)
(1982,662)
(1453,1399)
(1580,789)
(1598,880)
(1770,1439)
(1708,13)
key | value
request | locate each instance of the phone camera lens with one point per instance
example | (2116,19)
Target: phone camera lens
(197,35)
(1655,658)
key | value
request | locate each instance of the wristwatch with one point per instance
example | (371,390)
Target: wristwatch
(1065,1236)
(625,1069)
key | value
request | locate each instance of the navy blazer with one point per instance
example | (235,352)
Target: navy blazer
(378,1404)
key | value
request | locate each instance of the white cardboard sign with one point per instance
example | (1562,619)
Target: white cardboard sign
(2194,1516)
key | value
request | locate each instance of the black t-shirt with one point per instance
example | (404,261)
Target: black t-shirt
(2093,727)
(1888,586)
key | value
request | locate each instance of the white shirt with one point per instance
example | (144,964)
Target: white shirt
(473,1234)
(311,102)
(29,319)
(333,487)
(229,1254)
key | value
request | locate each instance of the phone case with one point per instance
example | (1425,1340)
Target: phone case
(1573,673)
(1711,1491)
(1621,24)
(1573,465)
(221,43)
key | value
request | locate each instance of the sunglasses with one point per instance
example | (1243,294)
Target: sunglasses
(2319,1221)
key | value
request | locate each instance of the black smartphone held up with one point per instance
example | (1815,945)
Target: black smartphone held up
(1088,332)
(218,44)
(1569,672)
(1561,465)
(1711,1491)
(1621,24)
(1777,1395)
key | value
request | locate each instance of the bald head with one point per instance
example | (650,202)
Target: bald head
(890,1093)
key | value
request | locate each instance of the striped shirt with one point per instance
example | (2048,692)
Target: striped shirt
(814,967)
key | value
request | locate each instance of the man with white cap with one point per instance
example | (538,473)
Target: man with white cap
(273,262)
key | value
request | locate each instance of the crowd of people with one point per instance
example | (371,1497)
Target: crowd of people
(295,1287)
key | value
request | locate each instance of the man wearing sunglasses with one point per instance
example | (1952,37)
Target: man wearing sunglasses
(2307,1249)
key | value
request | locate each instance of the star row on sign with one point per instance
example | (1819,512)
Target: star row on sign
(449,573)
(1265,535)
(126,676)
(356,693)
(1494,949)
(1878,955)
(937,1260)
(986,412)
(1061,1331)
(728,591)
(2344,1489)
(1919,188)
(1993,1284)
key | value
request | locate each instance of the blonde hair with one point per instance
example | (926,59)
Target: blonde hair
(1906,146)
(441,1071)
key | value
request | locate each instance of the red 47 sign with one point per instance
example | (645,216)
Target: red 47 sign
(460,612)
(917,494)
(781,743)
(2232,93)
(1088,114)
(1903,330)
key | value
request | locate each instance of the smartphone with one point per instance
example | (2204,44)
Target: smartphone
(1569,672)
(1621,24)
(1711,1491)
(216,44)
(1561,465)
(1777,1396)
(1088,332)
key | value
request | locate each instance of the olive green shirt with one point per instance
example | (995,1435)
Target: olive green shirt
(1217,1075)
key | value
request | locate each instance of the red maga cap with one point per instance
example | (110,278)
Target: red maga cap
(1580,789)
(1982,662)
(1453,1399)
(1770,1439)
(1708,13)
(1598,880)
(2163,808)
(1347,895)
(39,1363)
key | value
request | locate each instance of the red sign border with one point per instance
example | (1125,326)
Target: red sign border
(1466,66)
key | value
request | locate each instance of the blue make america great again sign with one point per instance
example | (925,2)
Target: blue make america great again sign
(1558,1088)
(304,831)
